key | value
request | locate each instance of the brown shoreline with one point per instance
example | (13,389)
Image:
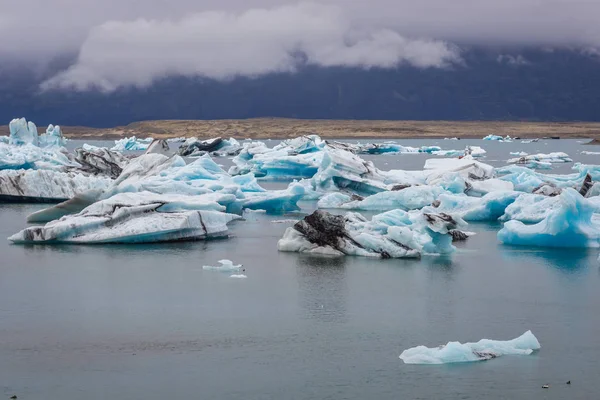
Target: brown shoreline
(281,128)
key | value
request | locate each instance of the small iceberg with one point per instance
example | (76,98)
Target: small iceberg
(131,144)
(498,138)
(485,349)
(238,276)
(541,160)
(226,266)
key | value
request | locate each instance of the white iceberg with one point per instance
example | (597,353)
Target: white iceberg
(226,266)
(22,132)
(394,234)
(570,224)
(46,186)
(485,349)
(131,144)
(135,218)
(541,159)
(238,276)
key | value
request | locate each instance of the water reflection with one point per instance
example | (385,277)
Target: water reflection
(322,287)
(566,260)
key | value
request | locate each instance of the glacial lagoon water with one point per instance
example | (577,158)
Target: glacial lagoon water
(146,322)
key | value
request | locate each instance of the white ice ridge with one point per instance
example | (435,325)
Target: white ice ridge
(226,266)
(485,349)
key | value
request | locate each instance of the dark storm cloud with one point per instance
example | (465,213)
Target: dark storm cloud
(123,42)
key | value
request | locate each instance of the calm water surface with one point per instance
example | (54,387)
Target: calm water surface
(146,322)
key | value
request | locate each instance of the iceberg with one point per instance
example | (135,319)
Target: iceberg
(46,186)
(195,147)
(410,198)
(485,349)
(238,276)
(541,159)
(394,234)
(498,138)
(52,138)
(135,218)
(226,266)
(99,160)
(131,144)
(487,208)
(22,132)
(570,224)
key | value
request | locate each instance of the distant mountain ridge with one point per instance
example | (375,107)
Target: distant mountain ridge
(501,85)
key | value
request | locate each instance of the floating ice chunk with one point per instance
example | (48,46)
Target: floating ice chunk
(541,159)
(238,276)
(46,186)
(453,138)
(591,152)
(394,234)
(518,153)
(5,139)
(134,218)
(530,140)
(487,208)
(226,266)
(570,224)
(131,144)
(23,132)
(498,138)
(531,208)
(485,349)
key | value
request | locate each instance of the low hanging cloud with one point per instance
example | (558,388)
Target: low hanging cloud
(223,45)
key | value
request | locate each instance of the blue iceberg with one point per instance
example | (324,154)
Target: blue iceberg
(571,224)
(485,349)
(131,144)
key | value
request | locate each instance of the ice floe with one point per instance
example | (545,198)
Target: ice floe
(226,266)
(485,349)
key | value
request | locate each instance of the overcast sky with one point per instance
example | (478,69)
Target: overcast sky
(123,42)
